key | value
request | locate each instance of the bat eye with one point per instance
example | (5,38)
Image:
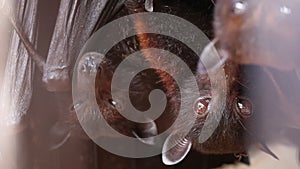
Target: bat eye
(201,105)
(112,102)
(239,7)
(116,104)
(244,107)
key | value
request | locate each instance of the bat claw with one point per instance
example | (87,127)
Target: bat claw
(59,135)
(263,147)
(149,141)
(61,143)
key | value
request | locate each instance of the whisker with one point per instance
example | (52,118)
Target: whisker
(242,84)
(277,87)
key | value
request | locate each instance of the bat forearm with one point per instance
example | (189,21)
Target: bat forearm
(40,62)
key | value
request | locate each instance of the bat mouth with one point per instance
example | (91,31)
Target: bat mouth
(226,139)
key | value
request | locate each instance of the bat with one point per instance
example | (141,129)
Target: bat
(191,139)
(231,135)
(106,104)
(264,33)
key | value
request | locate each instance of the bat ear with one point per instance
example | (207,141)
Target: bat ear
(210,58)
(175,149)
(146,131)
(263,147)
(149,5)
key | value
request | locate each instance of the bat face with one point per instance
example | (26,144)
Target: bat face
(139,89)
(231,134)
(259,32)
